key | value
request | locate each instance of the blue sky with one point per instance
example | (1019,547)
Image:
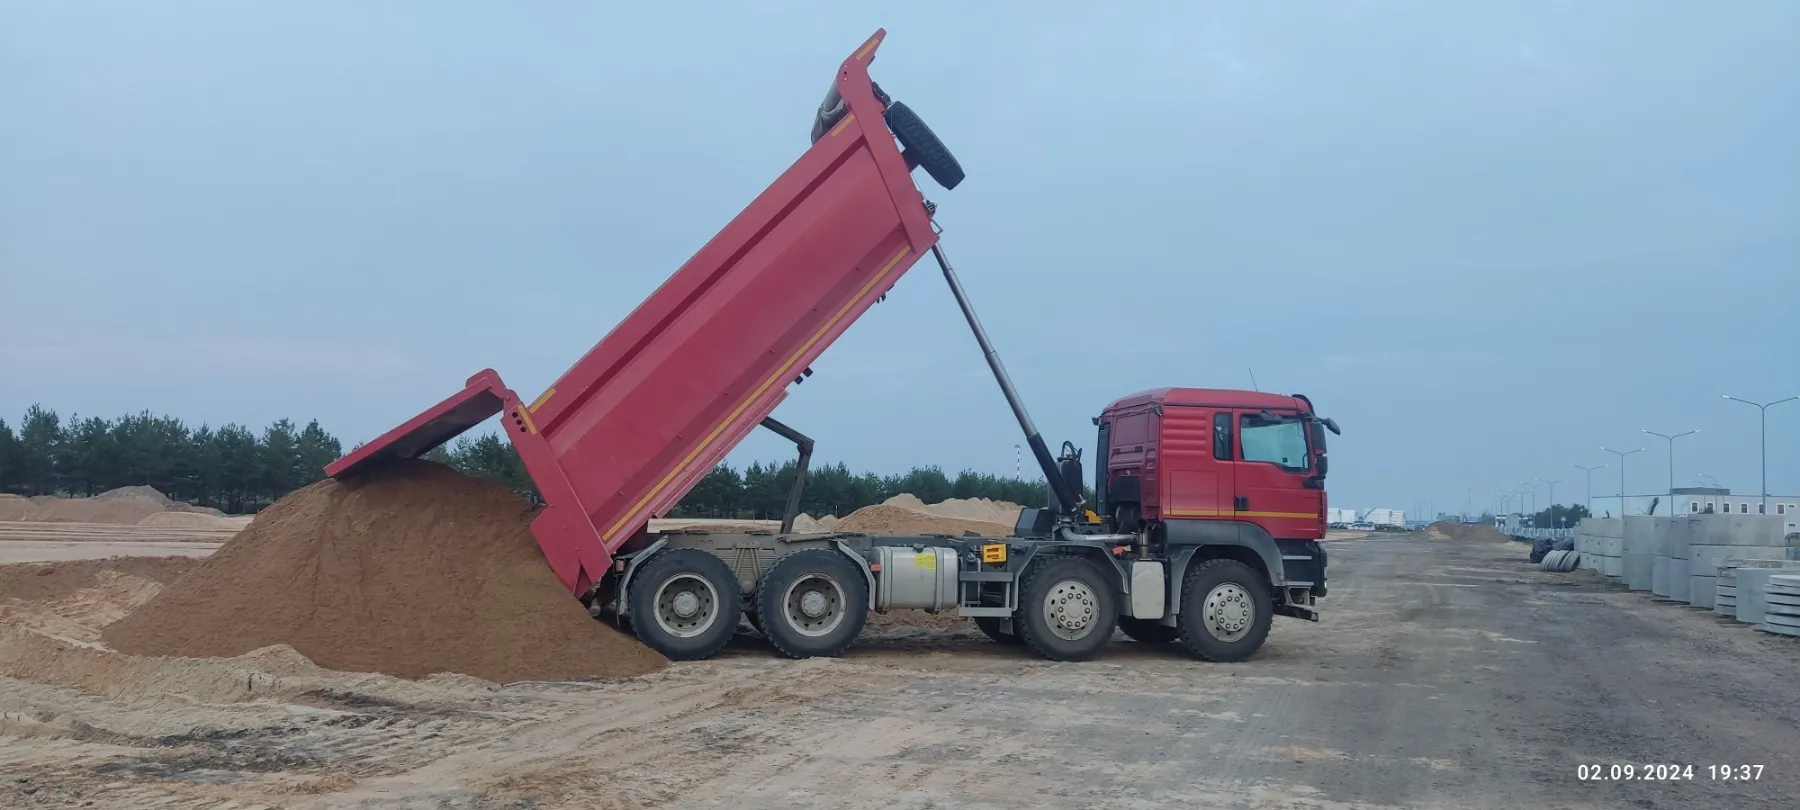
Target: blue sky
(1488,238)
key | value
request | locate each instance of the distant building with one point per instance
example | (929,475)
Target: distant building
(1701,500)
(1697,500)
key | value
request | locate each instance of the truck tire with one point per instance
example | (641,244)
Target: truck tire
(685,604)
(923,146)
(1147,631)
(990,627)
(1225,611)
(812,603)
(1068,607)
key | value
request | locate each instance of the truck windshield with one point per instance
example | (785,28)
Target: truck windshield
(1282,443)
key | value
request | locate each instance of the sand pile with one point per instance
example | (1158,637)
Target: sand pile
(1483,533)
(411,570)
(15,507)
(34,582)
(980,509)
(885,519)
(124,506)
(1446,530)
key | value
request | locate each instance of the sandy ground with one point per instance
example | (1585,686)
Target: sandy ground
(24,551)
(93,532)
(24,541)
(1445,675)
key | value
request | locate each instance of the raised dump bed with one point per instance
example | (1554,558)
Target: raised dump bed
(623,434)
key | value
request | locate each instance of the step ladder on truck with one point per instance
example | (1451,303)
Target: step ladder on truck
(1209,503)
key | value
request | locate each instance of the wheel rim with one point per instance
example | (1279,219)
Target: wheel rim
(814,604)
(686,605)
(1229,611)
(1070,609)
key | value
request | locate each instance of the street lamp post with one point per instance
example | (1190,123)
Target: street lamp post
(1764,407)
(1531,488)
(1552,492)
(1622,456)
(1589,473)
(1671,440)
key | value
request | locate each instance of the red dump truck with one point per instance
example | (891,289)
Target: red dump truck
(1209,503)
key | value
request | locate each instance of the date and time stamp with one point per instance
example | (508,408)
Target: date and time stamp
(1660,772)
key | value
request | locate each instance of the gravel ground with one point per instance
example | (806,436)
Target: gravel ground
(1445,675)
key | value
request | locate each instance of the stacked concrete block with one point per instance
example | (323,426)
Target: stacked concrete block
(1680,567)
(1715,541)
(1783,612)
(1642,536)
(1605,545)
(1725,592)
(1752,581)
(1665,541)
(1584,546)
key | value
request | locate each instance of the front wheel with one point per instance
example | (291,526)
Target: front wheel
(1068,607)
(685,604)
(1225,611)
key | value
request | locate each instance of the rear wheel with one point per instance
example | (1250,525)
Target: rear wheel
(1067,608)
(1225,611)
(812,603)
(685,603)
(1148,631)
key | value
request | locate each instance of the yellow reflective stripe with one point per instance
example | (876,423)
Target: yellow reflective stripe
(1246,513)
(542,398)
(844,123)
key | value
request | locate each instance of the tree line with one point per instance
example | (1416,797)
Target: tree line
(237,470)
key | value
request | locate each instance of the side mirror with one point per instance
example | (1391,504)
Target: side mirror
(1331,424)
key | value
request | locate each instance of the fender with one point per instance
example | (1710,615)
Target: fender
(861,565)
(1185,537)
(636,558)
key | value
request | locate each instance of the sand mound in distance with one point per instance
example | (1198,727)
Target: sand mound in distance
(1447,530)
(884,519)
(410,570)
(193,520)
(124,506)
(16,507)
(980,509)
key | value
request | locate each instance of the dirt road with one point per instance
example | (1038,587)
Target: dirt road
(24,551)
(24,541)
(1445,676)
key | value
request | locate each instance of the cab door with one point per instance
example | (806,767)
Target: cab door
(1197,469)
(1273,464)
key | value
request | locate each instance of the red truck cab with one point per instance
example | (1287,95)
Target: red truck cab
(1198,467)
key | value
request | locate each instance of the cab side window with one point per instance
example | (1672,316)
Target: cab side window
(1222,436)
